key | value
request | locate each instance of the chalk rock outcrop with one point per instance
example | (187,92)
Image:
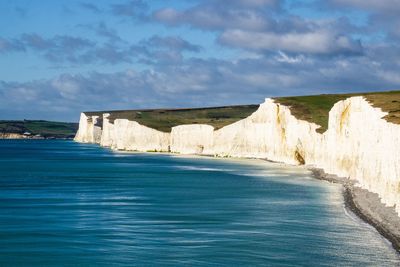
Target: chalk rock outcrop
(132,136)
(358,144)
(121,134)
(192,139)
(107,136)
(271,132)
(88,131)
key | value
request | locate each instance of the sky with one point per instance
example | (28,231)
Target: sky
(61,57)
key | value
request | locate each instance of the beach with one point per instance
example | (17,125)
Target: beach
(367,206)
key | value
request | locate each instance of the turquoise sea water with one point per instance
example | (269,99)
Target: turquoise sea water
(69,204)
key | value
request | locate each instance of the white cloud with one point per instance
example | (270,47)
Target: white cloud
(318,42)
(67,86)
(282,57)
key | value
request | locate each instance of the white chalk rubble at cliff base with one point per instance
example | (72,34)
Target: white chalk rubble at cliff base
(358,144)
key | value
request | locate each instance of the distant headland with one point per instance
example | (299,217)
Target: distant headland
(37,129)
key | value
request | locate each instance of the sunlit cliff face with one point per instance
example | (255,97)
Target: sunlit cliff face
(358,144)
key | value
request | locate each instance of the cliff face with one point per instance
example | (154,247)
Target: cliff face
(88,132)
(131,136)
(272,133)
(358,144)
(121,134)
(192,139)
(107,136)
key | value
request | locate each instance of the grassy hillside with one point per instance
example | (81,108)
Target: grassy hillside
(44,128)
(165,119)
(316,108)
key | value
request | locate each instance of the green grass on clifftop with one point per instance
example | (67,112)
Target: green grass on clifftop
(44,128)
(165,119)
(315,108)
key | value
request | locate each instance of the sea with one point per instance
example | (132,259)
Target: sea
(69,204)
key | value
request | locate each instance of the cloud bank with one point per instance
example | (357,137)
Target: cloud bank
(205,53)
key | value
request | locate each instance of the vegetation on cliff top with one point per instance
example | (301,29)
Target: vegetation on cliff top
(47,129)
(314,108)
(165,119)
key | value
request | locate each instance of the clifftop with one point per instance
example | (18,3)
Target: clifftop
(313,108)
(165,119)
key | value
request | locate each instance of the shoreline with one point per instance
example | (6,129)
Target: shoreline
(367,206)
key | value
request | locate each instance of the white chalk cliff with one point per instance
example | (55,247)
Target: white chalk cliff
(127,135)
(88,132)
(359,143)
(192,139)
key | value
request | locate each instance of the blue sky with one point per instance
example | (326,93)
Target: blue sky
(60,57)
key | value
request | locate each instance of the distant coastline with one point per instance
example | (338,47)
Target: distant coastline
(37,129)
(34,137)
(19,136)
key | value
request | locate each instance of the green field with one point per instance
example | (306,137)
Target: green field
(47,129)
